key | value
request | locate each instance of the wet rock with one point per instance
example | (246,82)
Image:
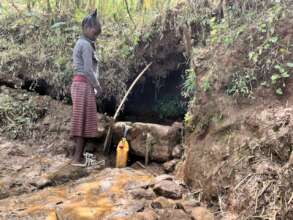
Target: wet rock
(143,193)
(163,203)
(177,152)
(137,206)
(201,213)
(103,195)
(170,166)
(153,168)
(168,189)
(66,174)
(170,214)
(163,177)
(42,182)
(147,214)
(188,205)
(158,140)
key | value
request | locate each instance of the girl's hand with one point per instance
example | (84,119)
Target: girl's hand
(98,92)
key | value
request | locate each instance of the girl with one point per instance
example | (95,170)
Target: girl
(85,86)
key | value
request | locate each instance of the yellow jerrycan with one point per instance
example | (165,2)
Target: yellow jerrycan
(122,152)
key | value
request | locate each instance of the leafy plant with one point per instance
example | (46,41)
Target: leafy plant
(170,106)
(189,83)
(206,85)
(241,85)
(281,74)
(188,119)
(17,116)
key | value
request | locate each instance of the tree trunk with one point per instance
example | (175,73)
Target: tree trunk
(29,5)
(140,5)
(91,5)
(49,9)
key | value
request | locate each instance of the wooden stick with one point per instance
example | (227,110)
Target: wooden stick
(109,132)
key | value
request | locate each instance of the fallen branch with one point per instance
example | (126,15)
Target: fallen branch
(242,181)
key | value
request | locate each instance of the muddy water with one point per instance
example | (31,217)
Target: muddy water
(102,196)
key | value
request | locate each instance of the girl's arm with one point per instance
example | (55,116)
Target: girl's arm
(87,56)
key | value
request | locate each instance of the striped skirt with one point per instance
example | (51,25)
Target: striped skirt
(84,109)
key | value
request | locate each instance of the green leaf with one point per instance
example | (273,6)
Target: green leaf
(279,91)
(277,66)
(267,46)
(274,39)
(250,55)
(290,65)
(280,68)
(285,75)
(274,78)
(58,25)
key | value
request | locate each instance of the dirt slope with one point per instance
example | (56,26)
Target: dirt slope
(239,146)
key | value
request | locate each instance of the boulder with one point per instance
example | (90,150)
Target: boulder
(188,205)
(163,203)
(141,193)
(170,214)
(161,178)
(201,213)
(147,214)
(168,189)
(177,151)
(158,140)
(170,166)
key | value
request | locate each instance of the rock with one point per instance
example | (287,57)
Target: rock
(153,168)
(163,203)
(168,189)
(42,182)
(188,205)
(201,213)
(161,139)
(177,152)
(103,124)
(163,177)
(172,214)
(143,193)
(170,165)
(147,214)
(67,173)
(137,206)
(102,195)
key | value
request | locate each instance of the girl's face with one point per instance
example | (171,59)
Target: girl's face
(92,33)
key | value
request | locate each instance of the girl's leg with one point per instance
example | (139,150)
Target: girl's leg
(79,147)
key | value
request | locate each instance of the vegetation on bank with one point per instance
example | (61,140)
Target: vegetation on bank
(37,39)
(246,48)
